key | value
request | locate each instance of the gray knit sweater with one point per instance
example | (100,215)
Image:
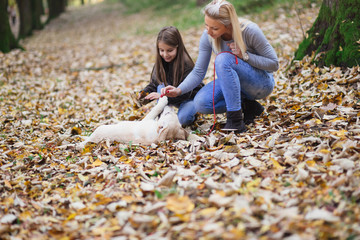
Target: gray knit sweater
(261,55)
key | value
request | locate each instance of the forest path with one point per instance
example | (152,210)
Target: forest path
(101,35)
(294,174)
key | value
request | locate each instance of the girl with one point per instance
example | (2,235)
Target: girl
(244,64)
(173,64)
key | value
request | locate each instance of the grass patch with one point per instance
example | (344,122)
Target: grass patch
(186,14)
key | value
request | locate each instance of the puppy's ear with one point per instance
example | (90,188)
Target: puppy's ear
(162,130)
(162,126)
(181,134)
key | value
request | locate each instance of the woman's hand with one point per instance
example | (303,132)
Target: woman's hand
(152,96)
(170,91)
(235,49)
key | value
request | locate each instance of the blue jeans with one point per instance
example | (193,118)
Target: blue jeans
(234,82)
(186,110)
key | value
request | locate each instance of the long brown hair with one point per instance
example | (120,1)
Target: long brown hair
(171,36)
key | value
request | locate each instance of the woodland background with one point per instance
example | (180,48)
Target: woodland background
(295,174)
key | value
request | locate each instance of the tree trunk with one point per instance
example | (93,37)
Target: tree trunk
(335,35)
(56,7)
(36,12)
(24,7)
(7,39)
(42,8)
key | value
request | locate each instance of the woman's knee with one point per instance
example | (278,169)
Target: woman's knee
(201,102)
(224,59)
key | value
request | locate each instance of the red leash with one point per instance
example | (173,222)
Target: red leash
(236,61)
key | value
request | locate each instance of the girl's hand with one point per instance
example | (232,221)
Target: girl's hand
(235,49)
(152,96)
(141,95)
(170,91)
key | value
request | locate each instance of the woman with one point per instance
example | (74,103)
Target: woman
(244,64)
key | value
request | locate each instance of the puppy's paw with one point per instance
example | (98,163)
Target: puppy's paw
(163,101)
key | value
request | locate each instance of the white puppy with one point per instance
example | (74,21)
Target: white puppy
(160,124)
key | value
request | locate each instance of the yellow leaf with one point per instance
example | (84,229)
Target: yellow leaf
(338,119)
(276,164)
(253,184)
(317,70)
(71,216)
(99,196)
(97,163)
(28,105)
(61,110)
(220,193)
(7,183)
(9,201)
(310,163)
(125,159)
(87,149)
(180,205)
(207,212)
(325,151)
(295,107)
(25,215)
(318,121)
(128,198)
(184,217)
(341,133)
(265,228)
(323,86)
(237,233)
(104,230)
(104,201)
(83,178)
(338,145)
(60,191)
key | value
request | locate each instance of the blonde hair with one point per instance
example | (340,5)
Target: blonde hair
(224,12)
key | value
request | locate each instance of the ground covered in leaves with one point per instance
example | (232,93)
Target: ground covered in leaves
(294,175)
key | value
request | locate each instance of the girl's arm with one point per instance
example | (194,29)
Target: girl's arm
(150,91)
(197,75)
(152,86)
(261,54)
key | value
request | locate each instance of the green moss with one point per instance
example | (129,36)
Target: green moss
(334,33)
(302,50)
